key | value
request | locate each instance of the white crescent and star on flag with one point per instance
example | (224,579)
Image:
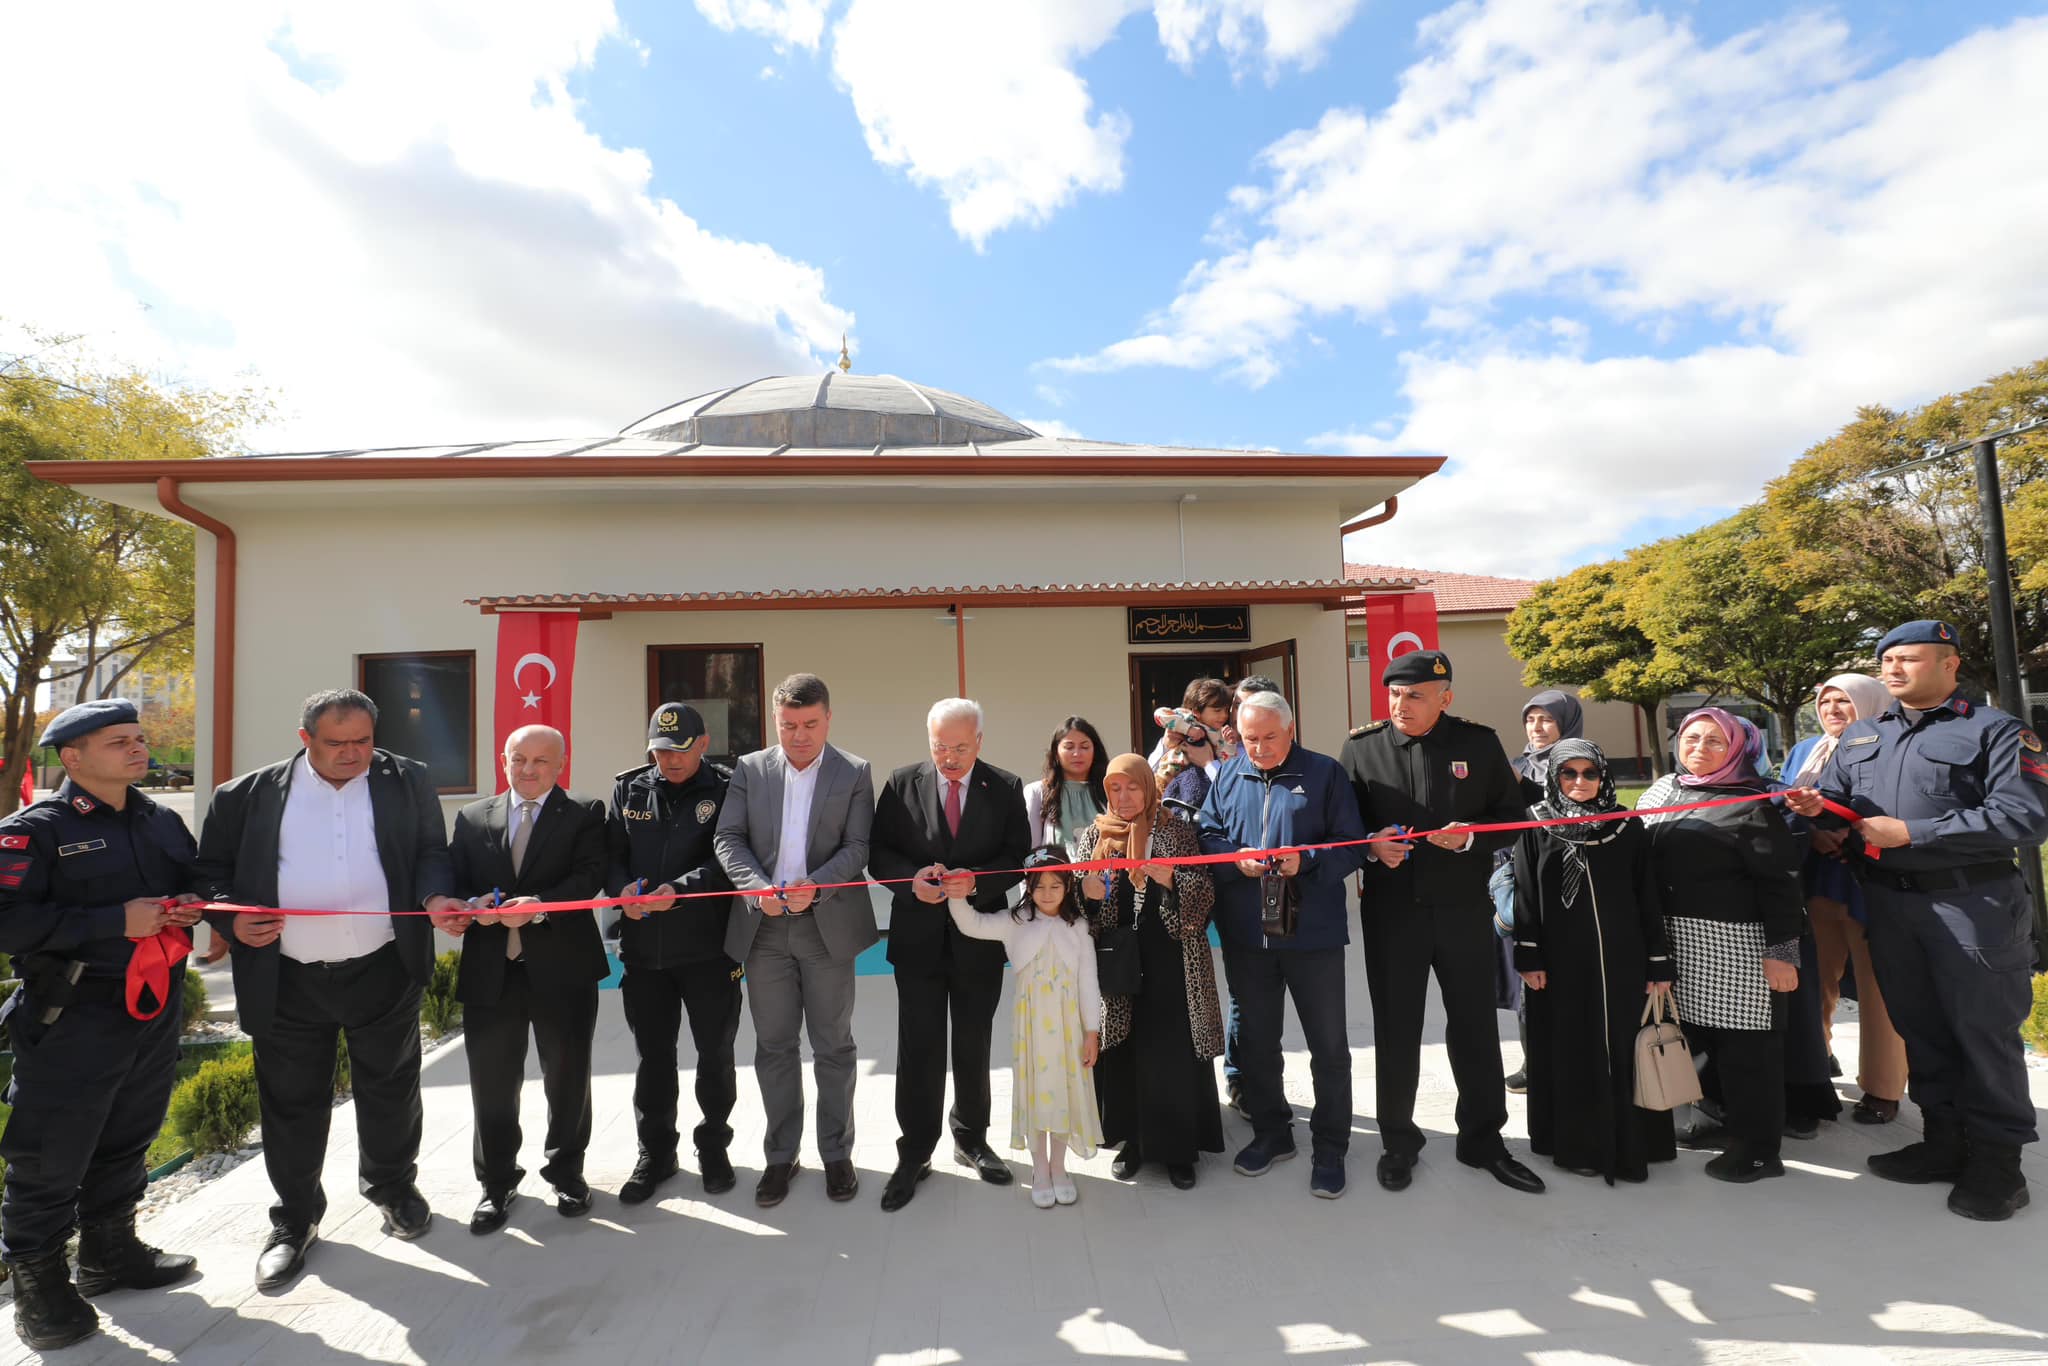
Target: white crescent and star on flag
(532,699)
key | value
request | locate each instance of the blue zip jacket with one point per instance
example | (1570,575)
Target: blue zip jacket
(1305,799)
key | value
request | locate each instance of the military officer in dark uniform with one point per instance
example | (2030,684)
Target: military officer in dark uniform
(663,816)
(82,874)
(1946,788)
(1424,904)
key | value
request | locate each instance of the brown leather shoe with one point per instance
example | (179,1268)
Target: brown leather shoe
(775,1183)
(842,1183)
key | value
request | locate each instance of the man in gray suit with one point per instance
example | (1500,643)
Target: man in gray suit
(796,816)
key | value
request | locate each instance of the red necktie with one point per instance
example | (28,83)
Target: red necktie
(952,807)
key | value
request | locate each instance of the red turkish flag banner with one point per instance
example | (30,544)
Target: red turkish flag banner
(1394,626)
(536,677)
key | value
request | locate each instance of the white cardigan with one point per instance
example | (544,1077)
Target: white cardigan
(1024,940)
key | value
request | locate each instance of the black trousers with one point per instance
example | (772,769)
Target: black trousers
(966,993)
(89,1093)
(1402,944)
(1957,973)
(374,1003)
(1260,978)
(656,1001)
(1745,1071)
(562,1024)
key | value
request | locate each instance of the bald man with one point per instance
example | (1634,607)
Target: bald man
(526,970)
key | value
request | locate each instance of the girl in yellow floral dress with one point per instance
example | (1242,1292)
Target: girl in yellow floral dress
(1057,1026)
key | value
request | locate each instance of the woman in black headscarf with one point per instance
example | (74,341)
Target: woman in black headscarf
(1548,717)
(1589,943)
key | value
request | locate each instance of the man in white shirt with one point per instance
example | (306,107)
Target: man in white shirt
(340,827)
(795,821)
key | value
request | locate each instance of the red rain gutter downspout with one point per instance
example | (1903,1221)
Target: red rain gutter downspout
(223,623)
(1380,518)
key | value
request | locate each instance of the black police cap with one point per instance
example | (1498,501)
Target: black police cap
(1417,666)
(74,723)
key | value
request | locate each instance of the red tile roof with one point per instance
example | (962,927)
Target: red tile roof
(1455,593)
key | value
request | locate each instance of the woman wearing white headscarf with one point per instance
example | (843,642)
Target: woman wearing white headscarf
(1834,906)
(1548,718)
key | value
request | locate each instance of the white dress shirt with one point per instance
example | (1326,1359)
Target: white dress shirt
(793,850)
(327,861)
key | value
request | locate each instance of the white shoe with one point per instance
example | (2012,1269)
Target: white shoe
(1063,1191)
(1042,1196)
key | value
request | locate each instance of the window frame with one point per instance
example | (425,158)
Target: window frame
(469,750)
(654,698)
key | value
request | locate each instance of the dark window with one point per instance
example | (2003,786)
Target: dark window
(723,682)
(426,710)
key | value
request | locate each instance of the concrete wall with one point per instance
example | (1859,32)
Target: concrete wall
(318,589)
(1490,690)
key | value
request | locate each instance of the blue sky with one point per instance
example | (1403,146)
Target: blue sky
(1618,262)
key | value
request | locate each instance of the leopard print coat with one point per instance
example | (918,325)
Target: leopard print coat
(1185,913)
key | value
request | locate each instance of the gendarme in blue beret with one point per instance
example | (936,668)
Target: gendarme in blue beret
(1919,633)
(1417,666)
(87,717)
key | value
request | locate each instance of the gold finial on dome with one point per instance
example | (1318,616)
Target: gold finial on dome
(845,361)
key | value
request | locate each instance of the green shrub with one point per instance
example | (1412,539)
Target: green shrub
(343,1081)
(2035,1030)
(439,1010)
(193,1008)
(216,1107)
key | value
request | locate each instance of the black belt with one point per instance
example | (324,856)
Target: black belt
(1935,879)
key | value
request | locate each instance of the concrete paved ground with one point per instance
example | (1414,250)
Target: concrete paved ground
(1827,1265)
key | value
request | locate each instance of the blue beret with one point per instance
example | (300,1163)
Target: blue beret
(87,717)
(1417,666)
(1919,633)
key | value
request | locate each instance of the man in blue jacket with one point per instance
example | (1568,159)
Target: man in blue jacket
(1284,929)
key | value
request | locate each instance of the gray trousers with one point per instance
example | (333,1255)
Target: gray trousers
(793,982)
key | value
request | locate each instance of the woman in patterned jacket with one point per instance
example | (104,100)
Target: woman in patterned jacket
(1734,910)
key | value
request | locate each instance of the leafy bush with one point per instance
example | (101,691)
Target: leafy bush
(193,1007)
(2035,1030)
(215,1108)
(343,1079)
(439,1010)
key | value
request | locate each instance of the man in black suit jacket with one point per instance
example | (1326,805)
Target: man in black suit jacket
(525,970)
(341,826)
(942,822)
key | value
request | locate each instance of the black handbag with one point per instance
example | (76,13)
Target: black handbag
(1118,969)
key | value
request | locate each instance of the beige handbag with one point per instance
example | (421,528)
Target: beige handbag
(1665,1076)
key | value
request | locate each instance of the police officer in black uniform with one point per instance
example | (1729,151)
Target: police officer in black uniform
(1945,789)
(1424,904)
(83,873)
(663,815)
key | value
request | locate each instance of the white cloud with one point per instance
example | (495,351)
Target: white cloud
(1279,32)
(1053,427)
(1847,235)
(980,99)
(786,23)
(395,210)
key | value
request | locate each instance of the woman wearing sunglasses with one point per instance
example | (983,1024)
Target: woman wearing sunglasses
(1589,944)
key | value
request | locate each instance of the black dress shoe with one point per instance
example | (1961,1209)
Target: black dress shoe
(986,1164)
(842,1182)
(1128,1160)
(406,1214)
(283,1256)
(1800,1126)
(1182,1174)
(775,1181)
(111,1257)
(574,1201)
(1395,1171)
(1511,1174)
(650,1172)
(903,1183)
(491,1212)
(717,1170)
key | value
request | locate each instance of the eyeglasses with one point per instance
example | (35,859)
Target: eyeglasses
(1578,775)
(955,751)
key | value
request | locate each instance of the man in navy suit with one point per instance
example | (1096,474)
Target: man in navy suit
(526,971)
(957,827)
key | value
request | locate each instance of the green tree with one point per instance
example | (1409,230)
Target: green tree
(79,572)
(1577,630)
(1724,610)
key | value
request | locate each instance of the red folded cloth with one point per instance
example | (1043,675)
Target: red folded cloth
(149,968)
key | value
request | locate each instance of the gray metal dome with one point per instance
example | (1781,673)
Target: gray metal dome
(830,411)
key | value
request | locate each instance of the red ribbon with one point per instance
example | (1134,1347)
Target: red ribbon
(1100,865)
(149,968)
